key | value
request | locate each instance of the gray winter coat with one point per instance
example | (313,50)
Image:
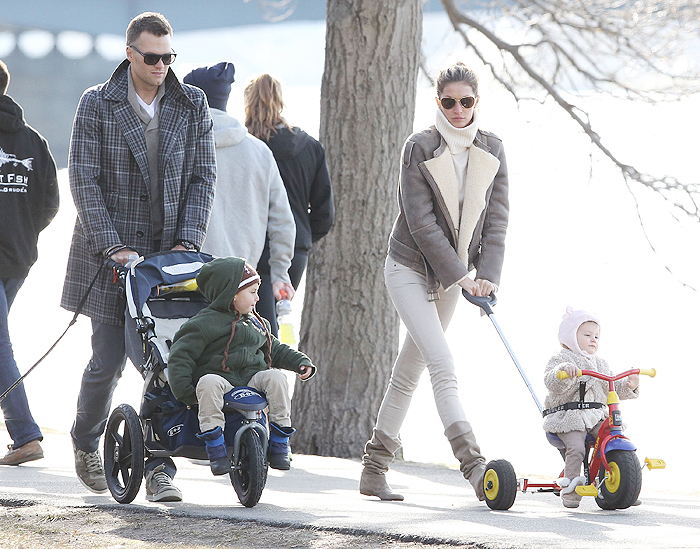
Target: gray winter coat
(109,180)
(431,235)
(561,391)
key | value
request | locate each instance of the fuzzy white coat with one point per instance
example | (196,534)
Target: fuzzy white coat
(561,391)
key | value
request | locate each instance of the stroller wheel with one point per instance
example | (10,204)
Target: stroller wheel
(124,453)
(500,485)
(249,472)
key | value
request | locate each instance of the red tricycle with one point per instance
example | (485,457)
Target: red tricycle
(611,469)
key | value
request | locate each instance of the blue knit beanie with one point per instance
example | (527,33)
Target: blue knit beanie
(215,81)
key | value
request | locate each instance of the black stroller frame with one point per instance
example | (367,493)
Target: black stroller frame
(161,294)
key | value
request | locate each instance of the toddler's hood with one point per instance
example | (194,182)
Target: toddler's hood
(218,281)
(570,323)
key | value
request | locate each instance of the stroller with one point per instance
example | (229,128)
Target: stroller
(161,294)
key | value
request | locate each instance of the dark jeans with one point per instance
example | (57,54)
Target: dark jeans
(266,305)
(15,407)
(99,381)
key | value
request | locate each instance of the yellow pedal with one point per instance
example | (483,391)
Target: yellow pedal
(653,463)
(588,490)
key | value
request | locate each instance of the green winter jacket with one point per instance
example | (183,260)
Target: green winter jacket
(199,346)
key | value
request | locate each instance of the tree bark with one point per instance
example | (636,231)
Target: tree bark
(349,326)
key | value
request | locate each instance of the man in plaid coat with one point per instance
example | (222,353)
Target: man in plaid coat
(142,171)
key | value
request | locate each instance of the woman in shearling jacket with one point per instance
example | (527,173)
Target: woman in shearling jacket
(453,213)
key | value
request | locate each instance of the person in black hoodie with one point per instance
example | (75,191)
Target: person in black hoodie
(302,164)
(28,203)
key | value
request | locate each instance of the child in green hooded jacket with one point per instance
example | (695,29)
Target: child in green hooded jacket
(229,345)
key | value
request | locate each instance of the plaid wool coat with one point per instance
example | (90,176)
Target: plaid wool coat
(109,181)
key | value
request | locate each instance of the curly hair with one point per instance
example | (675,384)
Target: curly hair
(263,106)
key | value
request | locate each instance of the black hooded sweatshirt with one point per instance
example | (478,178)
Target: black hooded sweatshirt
(28,190)
(302,164)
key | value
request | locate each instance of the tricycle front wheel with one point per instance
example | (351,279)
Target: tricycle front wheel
(621,488)
(500,485)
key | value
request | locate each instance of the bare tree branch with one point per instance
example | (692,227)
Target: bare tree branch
(607,45)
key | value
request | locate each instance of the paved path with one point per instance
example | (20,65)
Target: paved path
(322,493)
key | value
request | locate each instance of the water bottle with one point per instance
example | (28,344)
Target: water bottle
(283,309)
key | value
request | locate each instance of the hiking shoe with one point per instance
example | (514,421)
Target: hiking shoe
(160,487)
(88,467)
(27,452)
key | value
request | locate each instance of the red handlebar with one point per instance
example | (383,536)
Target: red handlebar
(561,374)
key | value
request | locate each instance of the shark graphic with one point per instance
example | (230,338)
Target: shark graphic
(7,158)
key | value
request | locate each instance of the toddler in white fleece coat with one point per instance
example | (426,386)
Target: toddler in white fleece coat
(579,333)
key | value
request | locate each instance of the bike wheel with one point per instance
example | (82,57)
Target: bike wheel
(249,472)
(621,488)
(124,453)
(500,485)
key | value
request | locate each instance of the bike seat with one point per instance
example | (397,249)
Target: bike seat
(244,399)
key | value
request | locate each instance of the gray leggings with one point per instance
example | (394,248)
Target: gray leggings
(425,345)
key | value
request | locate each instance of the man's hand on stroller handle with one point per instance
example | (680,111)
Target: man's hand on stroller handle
(123,255)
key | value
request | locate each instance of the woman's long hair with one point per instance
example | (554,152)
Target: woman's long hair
(263,106)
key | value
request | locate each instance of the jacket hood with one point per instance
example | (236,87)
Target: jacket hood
(227,130)
(286,144)
(218,281)
(11,115)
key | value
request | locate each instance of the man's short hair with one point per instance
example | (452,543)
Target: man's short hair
(4,78)
(151,22)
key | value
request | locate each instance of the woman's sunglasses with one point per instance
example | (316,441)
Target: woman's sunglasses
(153,58)
(449,102)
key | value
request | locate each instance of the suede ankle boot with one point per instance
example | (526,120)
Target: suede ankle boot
(216,451)
(471,463)
(379,453)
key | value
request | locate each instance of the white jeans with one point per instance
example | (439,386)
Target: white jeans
(425,345)
(211,389)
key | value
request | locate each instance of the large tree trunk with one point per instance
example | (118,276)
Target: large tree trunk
(349,326)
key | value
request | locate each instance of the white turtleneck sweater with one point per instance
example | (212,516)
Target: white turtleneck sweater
(458,142)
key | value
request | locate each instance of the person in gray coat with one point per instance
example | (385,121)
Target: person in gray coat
(453,213)
(142,172)
(251,202)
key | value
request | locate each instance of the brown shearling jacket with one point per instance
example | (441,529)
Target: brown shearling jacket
(431,235)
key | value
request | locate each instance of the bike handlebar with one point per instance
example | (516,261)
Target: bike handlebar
(561,374)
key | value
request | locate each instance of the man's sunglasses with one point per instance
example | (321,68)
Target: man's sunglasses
(153,58)
(449,102)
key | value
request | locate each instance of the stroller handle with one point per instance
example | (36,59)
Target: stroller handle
(485,302)
(111,264)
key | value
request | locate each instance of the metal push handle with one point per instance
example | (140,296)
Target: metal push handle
(485,303)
